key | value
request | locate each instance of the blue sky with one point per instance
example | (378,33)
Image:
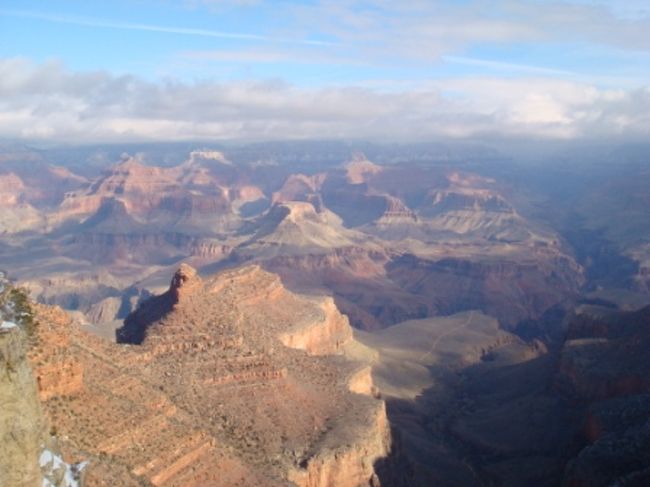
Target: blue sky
(435,68)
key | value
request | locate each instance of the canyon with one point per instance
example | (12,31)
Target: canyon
(213,383)
(331,320)
(361,232)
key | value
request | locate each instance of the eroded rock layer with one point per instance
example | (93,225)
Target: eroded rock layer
(205,389)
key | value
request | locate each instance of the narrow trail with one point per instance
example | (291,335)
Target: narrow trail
(443,335)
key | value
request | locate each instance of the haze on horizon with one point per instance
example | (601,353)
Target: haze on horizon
(79,72)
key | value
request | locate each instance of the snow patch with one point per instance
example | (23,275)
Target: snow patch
(8,325)
(57,473)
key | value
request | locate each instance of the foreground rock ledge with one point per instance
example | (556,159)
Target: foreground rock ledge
(205,390)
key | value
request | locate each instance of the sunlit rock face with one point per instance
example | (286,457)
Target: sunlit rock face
(387,242)
(22,428)
(223,379)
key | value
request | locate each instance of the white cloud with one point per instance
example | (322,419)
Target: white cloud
(48,101)
(426,30)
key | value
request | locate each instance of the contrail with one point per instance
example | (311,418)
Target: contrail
(501,65)
(90,22)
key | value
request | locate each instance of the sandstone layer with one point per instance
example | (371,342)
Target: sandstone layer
(204,389)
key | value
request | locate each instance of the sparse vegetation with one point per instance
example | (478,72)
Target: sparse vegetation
(15,306)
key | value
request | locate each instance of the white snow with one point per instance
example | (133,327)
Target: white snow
(51,462)
(49,458)
(8,325)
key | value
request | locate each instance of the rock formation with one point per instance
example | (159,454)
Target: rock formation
(22,427)
(227,380)
(604,355)
(362,232)
(29,456)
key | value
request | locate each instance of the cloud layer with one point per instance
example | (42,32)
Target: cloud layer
(47,101)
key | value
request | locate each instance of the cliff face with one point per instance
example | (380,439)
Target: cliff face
(605,356)
(21,422)
(350,230)
(604,366)
(352,465)
(324,336)
(226,380)
(57,371)
(511,290)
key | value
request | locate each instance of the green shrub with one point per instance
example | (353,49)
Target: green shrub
(15,306)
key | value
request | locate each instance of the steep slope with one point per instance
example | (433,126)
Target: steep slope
(360,169)
(312,250)
(474,404)
(22,428)
(421,368)
(512,284)
(17,214)
(45,182)
(136,212)
(28,455)
(457,206)
(300,187)
(605,354)
(603,365)
(388,242)
(208,393)
(296,228)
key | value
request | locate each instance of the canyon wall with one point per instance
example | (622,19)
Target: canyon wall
(22,427)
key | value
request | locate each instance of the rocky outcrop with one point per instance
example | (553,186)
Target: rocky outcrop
(218,386)
(17,213)
(396,210)
(11,189)
(22,427)
(296,228)
(513,289)
(320,337)
(185,283)
(604,356)
(106,248)
(359,169)
(58,372)
(300,187)
(352,465)
(618,431)
(360,381)
(105,310)
(603,367)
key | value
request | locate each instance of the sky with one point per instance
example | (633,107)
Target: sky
(147,70)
